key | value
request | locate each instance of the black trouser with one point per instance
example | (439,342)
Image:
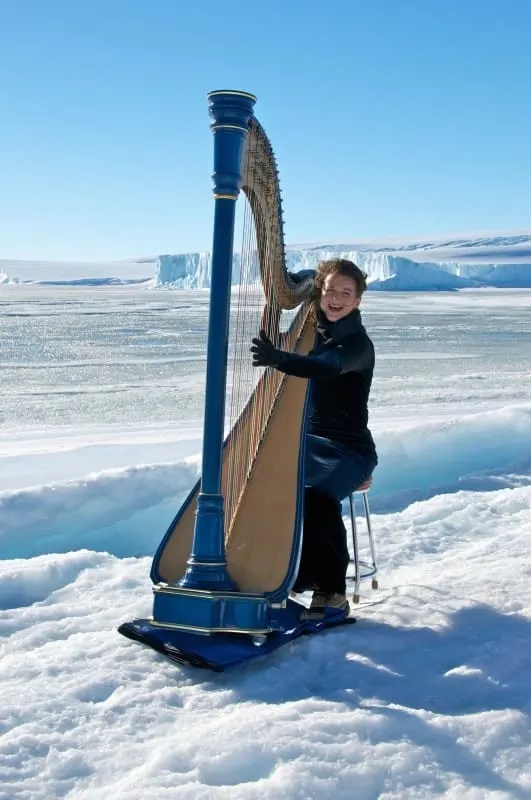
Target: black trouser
(332,471)
(325,556)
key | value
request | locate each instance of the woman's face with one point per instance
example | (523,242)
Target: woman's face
(338,296)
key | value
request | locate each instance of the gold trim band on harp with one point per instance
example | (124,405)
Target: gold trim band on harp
(221,126)
(225,196)
(197,629)
(231,91)
(165,588)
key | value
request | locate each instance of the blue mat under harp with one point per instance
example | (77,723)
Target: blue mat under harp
(221,651)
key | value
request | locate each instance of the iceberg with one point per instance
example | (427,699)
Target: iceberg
(501,276)
(428,266)
(185,271)
(385,272)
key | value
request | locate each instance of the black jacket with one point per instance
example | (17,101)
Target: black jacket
(340,367)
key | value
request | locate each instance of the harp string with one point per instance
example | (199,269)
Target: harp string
(244,329)
(254,305)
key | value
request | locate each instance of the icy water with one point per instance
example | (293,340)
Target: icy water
(77,356)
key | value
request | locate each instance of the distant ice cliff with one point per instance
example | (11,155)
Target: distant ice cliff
(386,272)
(502,261)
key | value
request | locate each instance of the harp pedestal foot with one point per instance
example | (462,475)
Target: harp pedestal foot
(232,643)
(207,566)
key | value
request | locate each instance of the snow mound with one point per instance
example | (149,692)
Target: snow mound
(126,511)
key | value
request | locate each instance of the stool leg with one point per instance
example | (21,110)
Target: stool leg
(357,576)
(371,539)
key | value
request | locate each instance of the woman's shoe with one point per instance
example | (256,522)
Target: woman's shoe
(322,601)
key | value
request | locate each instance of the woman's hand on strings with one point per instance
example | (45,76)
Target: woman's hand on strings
(265,354)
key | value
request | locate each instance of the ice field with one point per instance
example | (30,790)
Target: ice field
(100,434)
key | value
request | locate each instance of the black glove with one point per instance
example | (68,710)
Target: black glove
(265,354)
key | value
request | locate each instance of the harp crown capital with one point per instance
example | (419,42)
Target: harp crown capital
(231,112)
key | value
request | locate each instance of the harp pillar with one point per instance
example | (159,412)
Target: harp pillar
(207,564)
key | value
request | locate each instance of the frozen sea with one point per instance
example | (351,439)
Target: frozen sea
(100,434)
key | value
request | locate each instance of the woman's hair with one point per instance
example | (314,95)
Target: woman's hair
(337,266)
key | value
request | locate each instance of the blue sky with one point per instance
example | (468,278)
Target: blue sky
(388,117)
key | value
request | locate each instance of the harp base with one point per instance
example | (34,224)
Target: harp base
(221,651)
(201,611)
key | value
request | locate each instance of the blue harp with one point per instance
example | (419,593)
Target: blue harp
(230,556)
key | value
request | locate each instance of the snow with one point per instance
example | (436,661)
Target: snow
(496,260)
(426,697)
(76,273)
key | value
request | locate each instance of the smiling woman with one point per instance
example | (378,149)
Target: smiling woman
(341,285)
(340,452)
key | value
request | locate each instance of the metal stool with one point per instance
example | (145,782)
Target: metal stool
(362,569)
